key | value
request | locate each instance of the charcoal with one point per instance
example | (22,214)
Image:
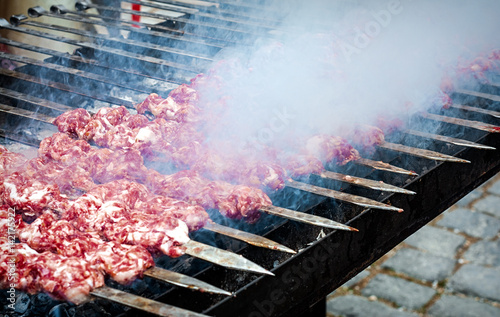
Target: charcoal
(42,303)
(88,310)
(22,303)
(139,286)
(60,310)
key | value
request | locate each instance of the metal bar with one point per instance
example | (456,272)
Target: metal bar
(39,11)
(69,71)
(99,47)
(215,8)
(142,303)
(207,26)
(26,113)
(448,139)
(482,95)
(15,136)
(466,123)
(61,13)
(63,87)
(247,237)
(156,61)
(86,61)
(222,257)
(239,4)
(382,166)
(34,100)
(353,199)
(431,155)
(364,182)
(245,24)
(305,218)
(492,113)
(214,42)
(185,281)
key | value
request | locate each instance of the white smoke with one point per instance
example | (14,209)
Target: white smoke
(346,62)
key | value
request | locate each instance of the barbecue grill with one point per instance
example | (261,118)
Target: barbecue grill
(106,68)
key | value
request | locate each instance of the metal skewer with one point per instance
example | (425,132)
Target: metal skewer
(492,113)
(382,166)
(34,100)
(363,182)
(142,303)
(69,71)
(450,140)
(63,87)
(305,218)
(353,199)
(482,95)
(466,123)
(247,237)
(431,155)
(222,257)
(25,113)
(185,281)
(126,54)
(91,62)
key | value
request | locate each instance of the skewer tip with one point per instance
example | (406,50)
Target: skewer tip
(287,250)
(492,129)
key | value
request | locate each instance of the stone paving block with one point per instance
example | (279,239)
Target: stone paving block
(357,306)
(356,279)
(475,224)
(489,205)
(484,253)
(476,280)
(495,188)
(402,292)
(454,306)
(436,241)
(421,265)
(470,197)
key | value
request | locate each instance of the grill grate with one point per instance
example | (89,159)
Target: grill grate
(104,69)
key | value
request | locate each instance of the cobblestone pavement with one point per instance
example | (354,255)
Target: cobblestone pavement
(450,267)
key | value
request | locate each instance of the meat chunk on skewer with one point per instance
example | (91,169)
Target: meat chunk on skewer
(73,121)
(9,161)
(67,278)
(71,179)
(105,165)
(116,221)
(300,165)
(179,106)
(64,278)
(123,263)
(232,201)
(30,196)
(331,149)
(364,137)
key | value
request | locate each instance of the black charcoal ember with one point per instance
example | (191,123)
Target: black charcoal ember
(22,303)
(3,297)
(42,303)
(139,286)
(60,310)
(91,309)
(156,287)
(111,307)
